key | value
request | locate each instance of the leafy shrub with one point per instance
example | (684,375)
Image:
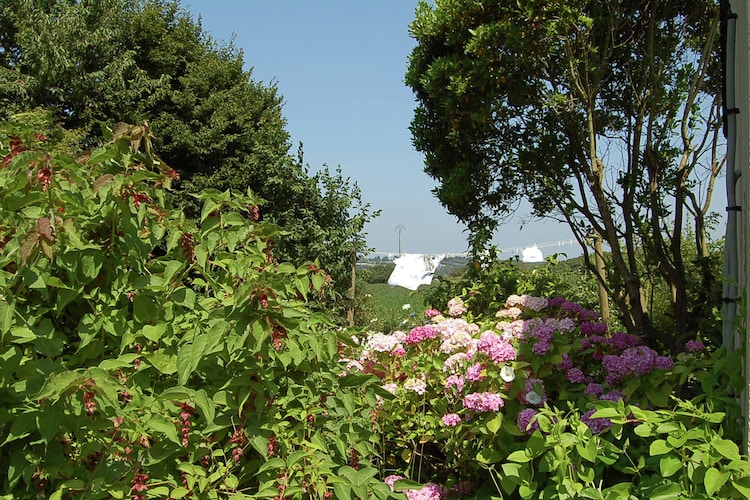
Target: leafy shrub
(539,400)
(144,355)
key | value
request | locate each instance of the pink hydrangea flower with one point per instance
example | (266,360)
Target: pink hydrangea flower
(456,307)
(474,372)
(451,419)
(483,401)
(429,491)
(497,349)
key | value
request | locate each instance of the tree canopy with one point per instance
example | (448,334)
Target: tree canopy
(110,61)
(604,115)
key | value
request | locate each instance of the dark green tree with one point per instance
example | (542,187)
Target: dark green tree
(603,114)
(149,61)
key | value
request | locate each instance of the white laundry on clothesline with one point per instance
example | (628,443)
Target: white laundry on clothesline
(414,269)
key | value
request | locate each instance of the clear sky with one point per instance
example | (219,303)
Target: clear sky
(340,65)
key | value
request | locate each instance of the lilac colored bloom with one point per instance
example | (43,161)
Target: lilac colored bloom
(534,303)
(524,420)
(622,340)
(555,302)
(635,361)
(451,419)
(497,349)
(594,390)
(613,396)
(695,346)
(456,381)
(541,348)
(571,307)
(456,307)
(566,325)
(596,425)
(429,491)
(483,401)
(591,328)
(566,364)
(588,315)
(474,372)
(421,333)
(575,376)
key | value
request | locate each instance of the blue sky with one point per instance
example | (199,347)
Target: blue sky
(340,67)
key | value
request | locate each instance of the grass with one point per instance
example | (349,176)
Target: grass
(386,307)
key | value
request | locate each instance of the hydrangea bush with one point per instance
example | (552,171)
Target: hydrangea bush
(539,401)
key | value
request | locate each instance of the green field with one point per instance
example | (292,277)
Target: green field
(385,310)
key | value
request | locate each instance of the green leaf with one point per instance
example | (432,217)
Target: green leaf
(727,448)
(519,456)
(489,456)
(495,423)
(714,480)
(185,297)
(157,423)
(670,491)
(22,335)
(588,452)
(144,308)
(154,332)
(669,465)
(205,405)
(659,447)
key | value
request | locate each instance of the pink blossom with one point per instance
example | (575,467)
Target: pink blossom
(483,401)
(431,313)
(474,372)
(456,381)
(421,333)
(497,349)
(391,480)
(456,307)
(451,419)
(429,491)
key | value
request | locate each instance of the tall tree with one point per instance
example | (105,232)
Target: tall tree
(148,60)
(603,114)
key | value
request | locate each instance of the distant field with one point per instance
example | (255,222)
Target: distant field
(385,307)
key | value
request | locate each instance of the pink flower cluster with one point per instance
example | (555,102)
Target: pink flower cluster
(483,401)
(429,491)
(420,334)
(496,348)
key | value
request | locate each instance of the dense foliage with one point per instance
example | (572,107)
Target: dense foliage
(604,115)
(149,60)
(540,401)
(148,355)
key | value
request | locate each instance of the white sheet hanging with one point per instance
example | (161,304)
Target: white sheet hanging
(414,269)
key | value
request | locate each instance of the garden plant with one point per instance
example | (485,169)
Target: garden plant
(540,400)
(147,355)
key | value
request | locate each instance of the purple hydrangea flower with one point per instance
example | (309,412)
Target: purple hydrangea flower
(524,420)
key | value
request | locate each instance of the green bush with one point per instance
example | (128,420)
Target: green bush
(147,355)
(540,401)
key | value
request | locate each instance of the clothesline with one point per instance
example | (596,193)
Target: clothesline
(516,249)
